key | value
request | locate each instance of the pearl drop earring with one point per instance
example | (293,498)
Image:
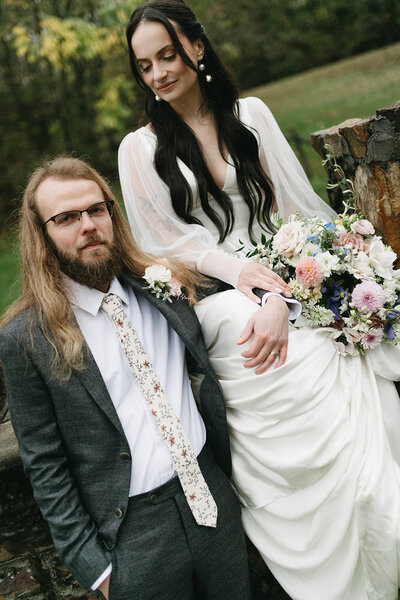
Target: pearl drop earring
(202,68)
(158,99)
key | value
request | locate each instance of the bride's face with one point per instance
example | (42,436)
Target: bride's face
(162,68)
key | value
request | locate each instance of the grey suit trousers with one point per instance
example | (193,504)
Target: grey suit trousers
(161,553)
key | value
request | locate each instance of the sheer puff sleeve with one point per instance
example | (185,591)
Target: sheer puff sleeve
(152,218)
(292,189)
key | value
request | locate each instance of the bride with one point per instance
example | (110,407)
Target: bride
(313,433)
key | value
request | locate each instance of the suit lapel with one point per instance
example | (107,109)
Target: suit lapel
(93,382)
(181,318)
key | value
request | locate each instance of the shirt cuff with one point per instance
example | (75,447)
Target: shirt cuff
(294,305)
(102,577)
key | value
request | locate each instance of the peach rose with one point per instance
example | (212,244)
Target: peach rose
(354,240)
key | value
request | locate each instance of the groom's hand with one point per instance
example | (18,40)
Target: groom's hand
(104,586)
(269,328)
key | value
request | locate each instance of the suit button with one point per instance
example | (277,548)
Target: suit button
(118,513)
(153,498)
(125,456)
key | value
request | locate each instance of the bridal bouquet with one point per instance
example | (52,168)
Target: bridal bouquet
(343,275)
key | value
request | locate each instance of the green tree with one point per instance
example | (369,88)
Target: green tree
(66,84)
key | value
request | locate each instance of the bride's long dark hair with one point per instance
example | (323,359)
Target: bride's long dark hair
(176,139)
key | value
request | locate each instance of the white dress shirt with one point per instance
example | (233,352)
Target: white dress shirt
(151,463)
(151,459)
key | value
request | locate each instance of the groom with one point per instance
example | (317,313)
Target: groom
(100,399)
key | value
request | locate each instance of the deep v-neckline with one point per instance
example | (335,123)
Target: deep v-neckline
(228,164)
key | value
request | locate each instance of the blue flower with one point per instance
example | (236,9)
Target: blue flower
(389,330)
(313,238)
(331,227)
(342,251)
(334,295)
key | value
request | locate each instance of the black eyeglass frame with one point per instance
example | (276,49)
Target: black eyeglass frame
(109,205)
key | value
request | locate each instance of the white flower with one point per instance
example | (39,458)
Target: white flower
(363,227)
(396,333)
(352,335)
(289,240)
(390,287)
(328,263)
(157,273)
(309,249)
(161,283)
(340,229)
(318,315)
(381,258)
(360,267)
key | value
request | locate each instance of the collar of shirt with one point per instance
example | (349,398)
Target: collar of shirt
(90,299)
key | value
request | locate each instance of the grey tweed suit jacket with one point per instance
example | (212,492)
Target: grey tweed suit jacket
(71,441)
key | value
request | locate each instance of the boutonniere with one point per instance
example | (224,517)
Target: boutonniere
(161,283)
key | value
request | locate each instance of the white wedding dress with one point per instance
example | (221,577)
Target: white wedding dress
(312,460)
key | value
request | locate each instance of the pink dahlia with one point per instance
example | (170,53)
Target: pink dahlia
(368,297)
(309,272)
(372,338)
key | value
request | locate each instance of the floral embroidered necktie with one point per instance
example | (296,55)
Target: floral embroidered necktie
(185,463)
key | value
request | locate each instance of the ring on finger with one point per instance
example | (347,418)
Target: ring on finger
(274,354)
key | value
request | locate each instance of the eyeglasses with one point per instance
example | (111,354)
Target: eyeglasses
(71,218)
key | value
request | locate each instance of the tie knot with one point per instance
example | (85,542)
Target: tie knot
(111,304)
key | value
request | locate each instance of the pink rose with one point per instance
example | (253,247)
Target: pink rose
(354,240)
(309,272)
(362,227)
(176,286)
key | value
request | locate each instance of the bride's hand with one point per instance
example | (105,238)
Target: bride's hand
(255,275)
(269,327)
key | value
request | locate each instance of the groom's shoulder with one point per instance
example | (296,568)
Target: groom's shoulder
(22,328)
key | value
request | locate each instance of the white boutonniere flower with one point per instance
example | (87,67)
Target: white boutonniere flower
(161,283)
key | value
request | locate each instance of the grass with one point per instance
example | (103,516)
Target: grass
(9,269)
(303,103)
(328,95)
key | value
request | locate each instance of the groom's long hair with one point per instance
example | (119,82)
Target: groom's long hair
(42,279)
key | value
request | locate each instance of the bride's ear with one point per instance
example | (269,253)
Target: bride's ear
(198,48)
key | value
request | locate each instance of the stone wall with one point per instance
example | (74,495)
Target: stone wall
(368,150)
(29,566)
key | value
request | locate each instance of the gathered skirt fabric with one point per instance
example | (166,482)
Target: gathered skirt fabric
(312,461)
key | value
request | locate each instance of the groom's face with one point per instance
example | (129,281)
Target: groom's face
(83,243)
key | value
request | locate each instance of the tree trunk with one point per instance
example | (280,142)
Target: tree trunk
(368,151)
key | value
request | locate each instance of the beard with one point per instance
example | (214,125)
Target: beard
(95,274)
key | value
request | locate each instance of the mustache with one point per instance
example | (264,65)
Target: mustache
(90,239)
